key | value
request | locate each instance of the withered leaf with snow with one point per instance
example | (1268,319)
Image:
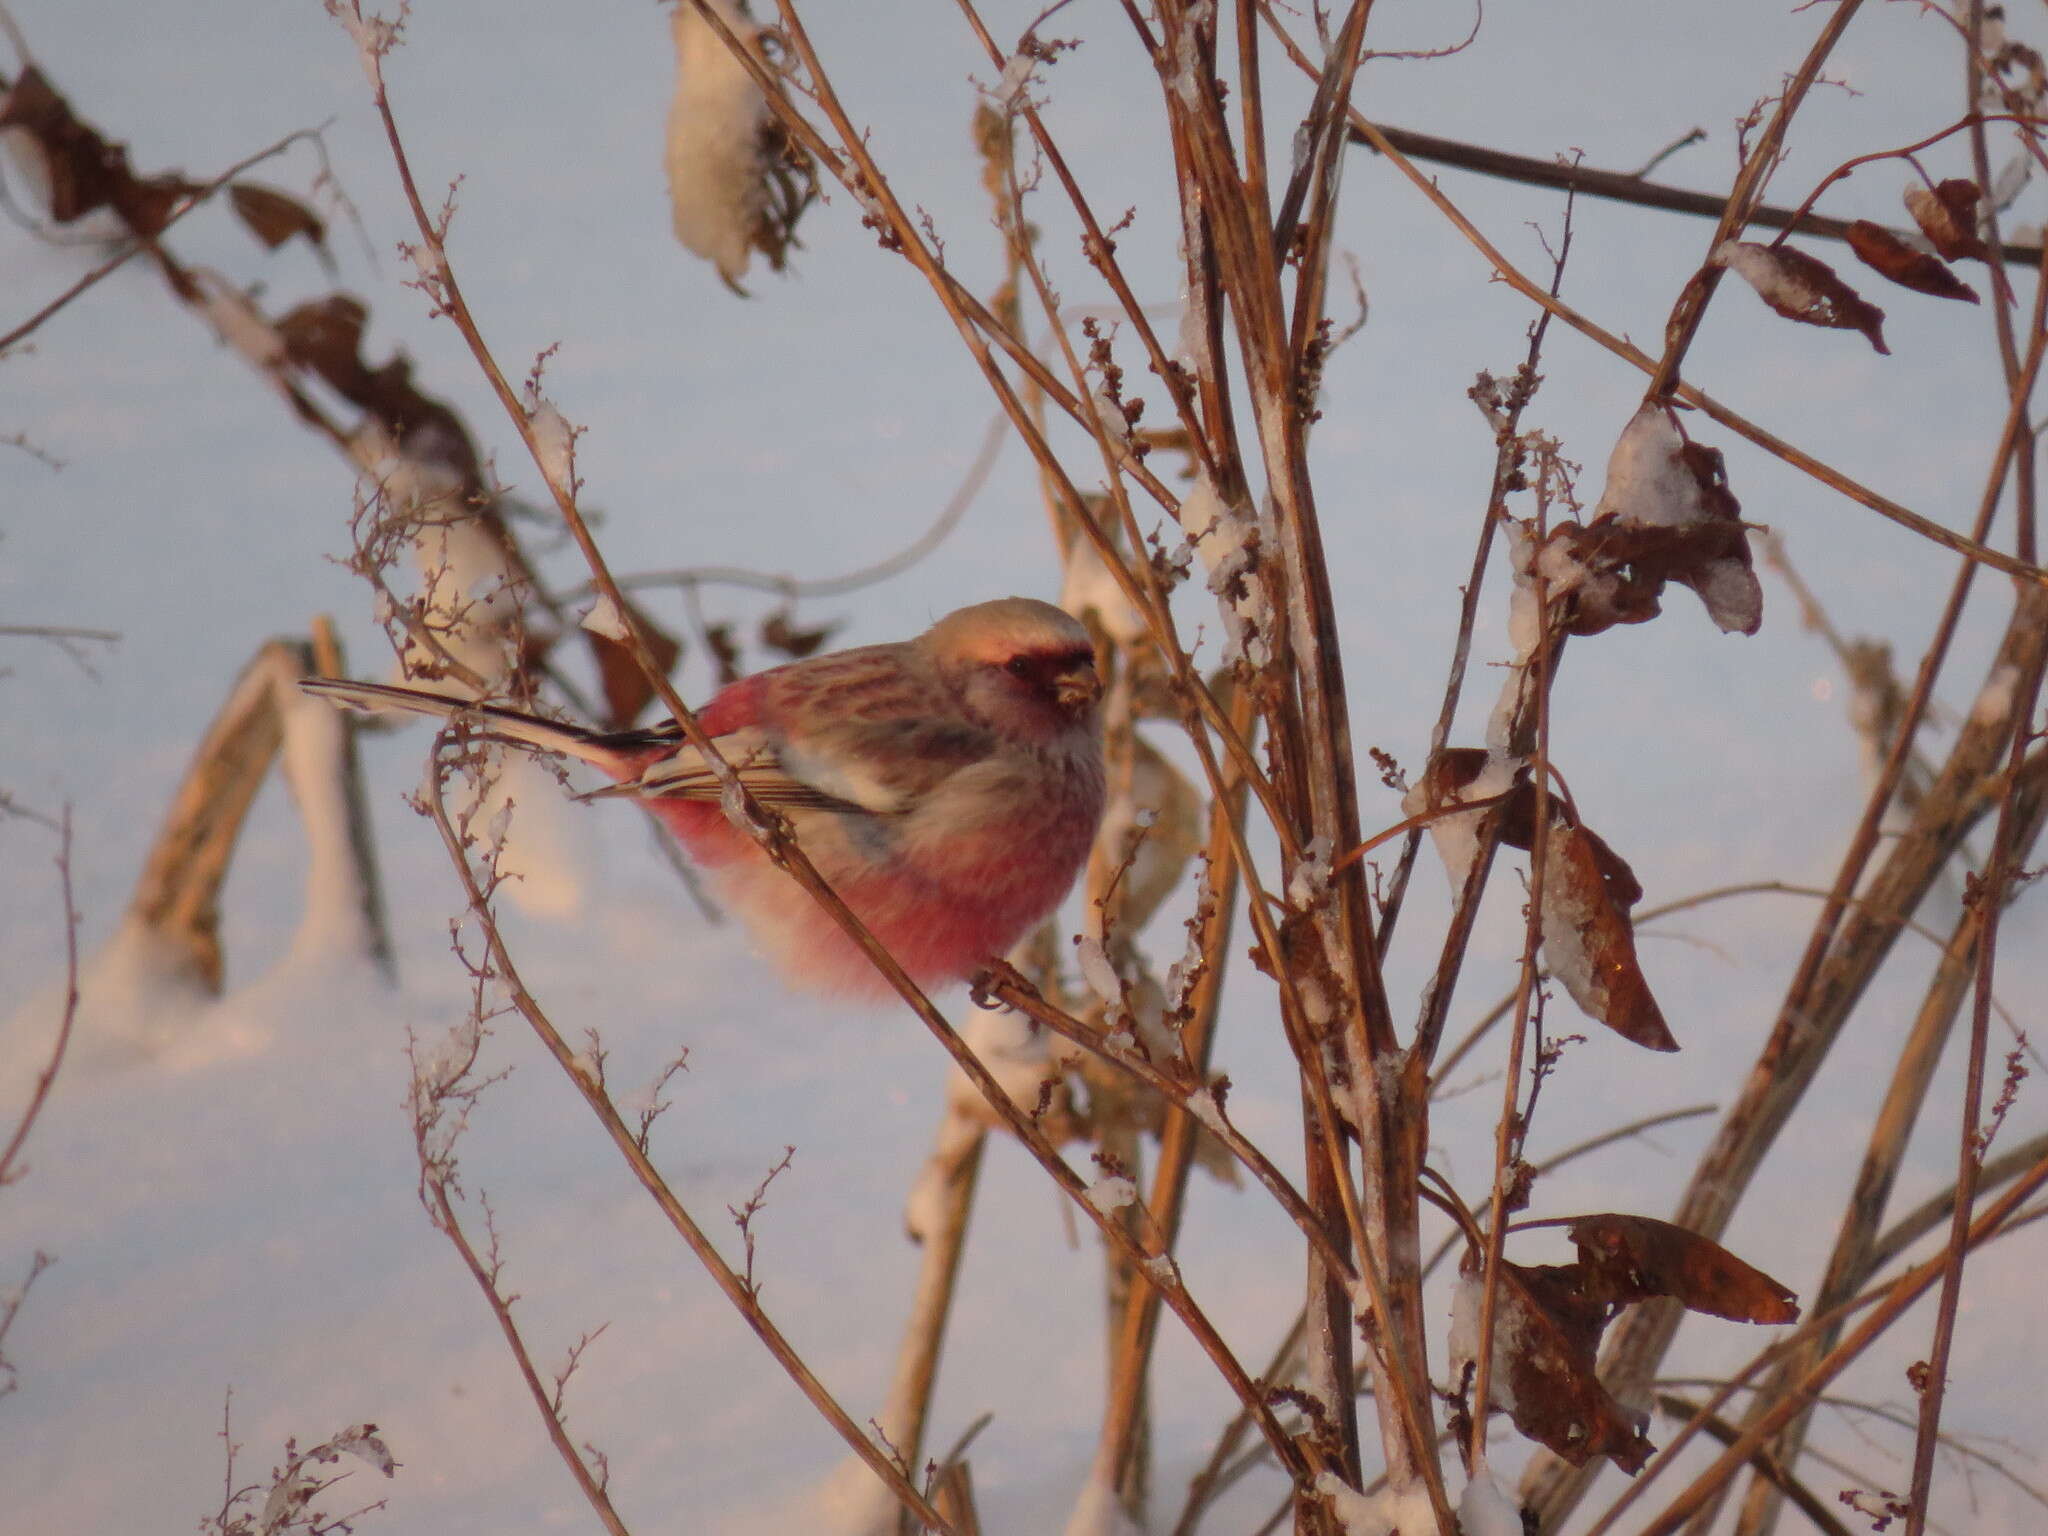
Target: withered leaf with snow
(73,168)
(1588,891)
(1548,1321)
(1802,287)
(1666,515)
(1667,511)
(1471,776)
(1632,1258)
(1922,271)
(1546,1340)
(737,183)
(1947,216)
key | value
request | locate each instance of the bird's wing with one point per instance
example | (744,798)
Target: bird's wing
(875,767)
(684,774)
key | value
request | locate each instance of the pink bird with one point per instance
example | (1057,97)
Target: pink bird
(947,787)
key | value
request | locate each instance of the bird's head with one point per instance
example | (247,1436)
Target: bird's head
(1022,667)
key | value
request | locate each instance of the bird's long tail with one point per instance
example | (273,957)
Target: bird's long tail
(493,719)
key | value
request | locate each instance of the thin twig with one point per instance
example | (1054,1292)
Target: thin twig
(47,1077)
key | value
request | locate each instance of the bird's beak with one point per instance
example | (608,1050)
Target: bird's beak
(1079,689)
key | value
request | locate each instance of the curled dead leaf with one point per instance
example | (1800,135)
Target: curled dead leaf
(1947,216)
(1457,776)
(1632,1258)
(80,169)
(1802,287)
(1588,939)
(780,633)
(1546,1339)
(1922,271)
(275,217)
(627,690)
(1665,514)
(325,337)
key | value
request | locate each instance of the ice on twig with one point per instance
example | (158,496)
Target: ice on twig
(605,619)
(1111,1193)
(1229,541)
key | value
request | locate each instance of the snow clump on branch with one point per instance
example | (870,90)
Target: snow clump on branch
(733,187)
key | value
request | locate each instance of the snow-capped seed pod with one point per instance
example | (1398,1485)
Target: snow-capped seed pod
(736,183)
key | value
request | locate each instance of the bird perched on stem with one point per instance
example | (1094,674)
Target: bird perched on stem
(946,787)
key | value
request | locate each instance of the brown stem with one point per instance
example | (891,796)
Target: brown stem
(1991,894)
(623,1137)
(1890,1306)
(594,1491)
(1972,548)
(1766,1465)
(67,1016)
(1167,1199)
(1618,186)
(1693,299)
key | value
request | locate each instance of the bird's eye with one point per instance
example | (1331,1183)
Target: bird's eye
(1018,666)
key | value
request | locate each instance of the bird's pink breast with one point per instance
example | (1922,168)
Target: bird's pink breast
(942,897)
(942,922)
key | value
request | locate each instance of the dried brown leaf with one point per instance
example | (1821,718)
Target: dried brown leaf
(626,688)
(1665,514)
(1947,216)
(1802,287)
(74,158)
(1458,775)
(275,217)
(1922,271)
(1546,1341)
(1632,1258)
(83,170)
(725,652)
(325,337)
(779,632)
(1716,561)
(1588,890)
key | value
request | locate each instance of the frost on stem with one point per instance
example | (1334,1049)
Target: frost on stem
(1388,1513)
(1463,1344)
(1187,79)
(605,619)
(1460,776)
(554,443)
(1112,1193)
(1229,542)
(736,183)
(373,36)
(1185,974)
(1202,1104)
(1309,884)
(1099,972)
(241,325)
